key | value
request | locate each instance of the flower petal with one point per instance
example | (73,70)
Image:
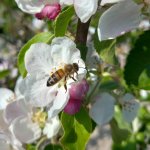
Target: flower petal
(38,59)
(3,124)
(37,93)
(103,2)
(85,9)
(6,96)
(33,6)
(52,127)
(102,110)
(59,103)
(19,88)
(16,109)
(130,107)
(63,50)
(66,2)
(25,130)
(121,17)
(4,145)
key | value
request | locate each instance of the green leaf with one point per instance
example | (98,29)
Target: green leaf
(77,130)
(30,147)
(118,135)
(4,73)
(62,21)
(138,60)
(53,147)
(144,81)
(41,37)
(106,49)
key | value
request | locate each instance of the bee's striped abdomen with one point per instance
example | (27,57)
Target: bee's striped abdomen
(55,77)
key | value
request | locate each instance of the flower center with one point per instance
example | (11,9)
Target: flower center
(40,118)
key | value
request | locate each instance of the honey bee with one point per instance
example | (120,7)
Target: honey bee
(67,71)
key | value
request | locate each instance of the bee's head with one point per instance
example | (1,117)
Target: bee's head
(75,67)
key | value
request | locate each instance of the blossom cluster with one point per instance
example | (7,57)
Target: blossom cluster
(59,80)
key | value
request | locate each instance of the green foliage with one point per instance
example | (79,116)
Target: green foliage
(106,49)
(77,130)
(118,134)
(41,37)
(4,73)
(30,147)
(138,59)
(62,21)
(144,81)
(53,147)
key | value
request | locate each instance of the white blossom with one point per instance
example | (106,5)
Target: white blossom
(118,19)
(84,9)
(33,6)
(102,110)
(42,60)
(130,107)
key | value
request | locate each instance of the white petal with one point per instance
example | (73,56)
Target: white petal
(67,2)
(16,109)
(33,6)
(6,96)
(52,127)
(103,2)
(3,124)
(4,145)
(59,103)
(120,18)
(102,110)
(37,93)
(85,9)
(19,87)
(25,130)
(63,50)
(38,59)
(130,107)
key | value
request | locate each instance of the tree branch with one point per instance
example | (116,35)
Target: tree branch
(82,32)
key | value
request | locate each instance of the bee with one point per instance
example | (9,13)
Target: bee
(67,71)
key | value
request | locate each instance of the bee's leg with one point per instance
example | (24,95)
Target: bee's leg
(72,78)
(65,86)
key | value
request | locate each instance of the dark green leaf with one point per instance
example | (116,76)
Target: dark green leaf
(106,49)
(77,130)
(144,81)
(53,147)
(118,135)
(4,73)
(62,21)
(138,59)
(41,37)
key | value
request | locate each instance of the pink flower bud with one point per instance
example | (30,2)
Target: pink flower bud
(73,106)
(49,11)
(79,90)
(77,93)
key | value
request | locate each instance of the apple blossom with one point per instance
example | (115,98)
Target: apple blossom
(84,9)
(118,19)
(42,60)
(102,110)
(22,121)
(41,8)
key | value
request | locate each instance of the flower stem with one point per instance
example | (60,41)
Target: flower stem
(82,32)
(81,37)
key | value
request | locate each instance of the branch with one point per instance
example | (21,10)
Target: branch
(82,32)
